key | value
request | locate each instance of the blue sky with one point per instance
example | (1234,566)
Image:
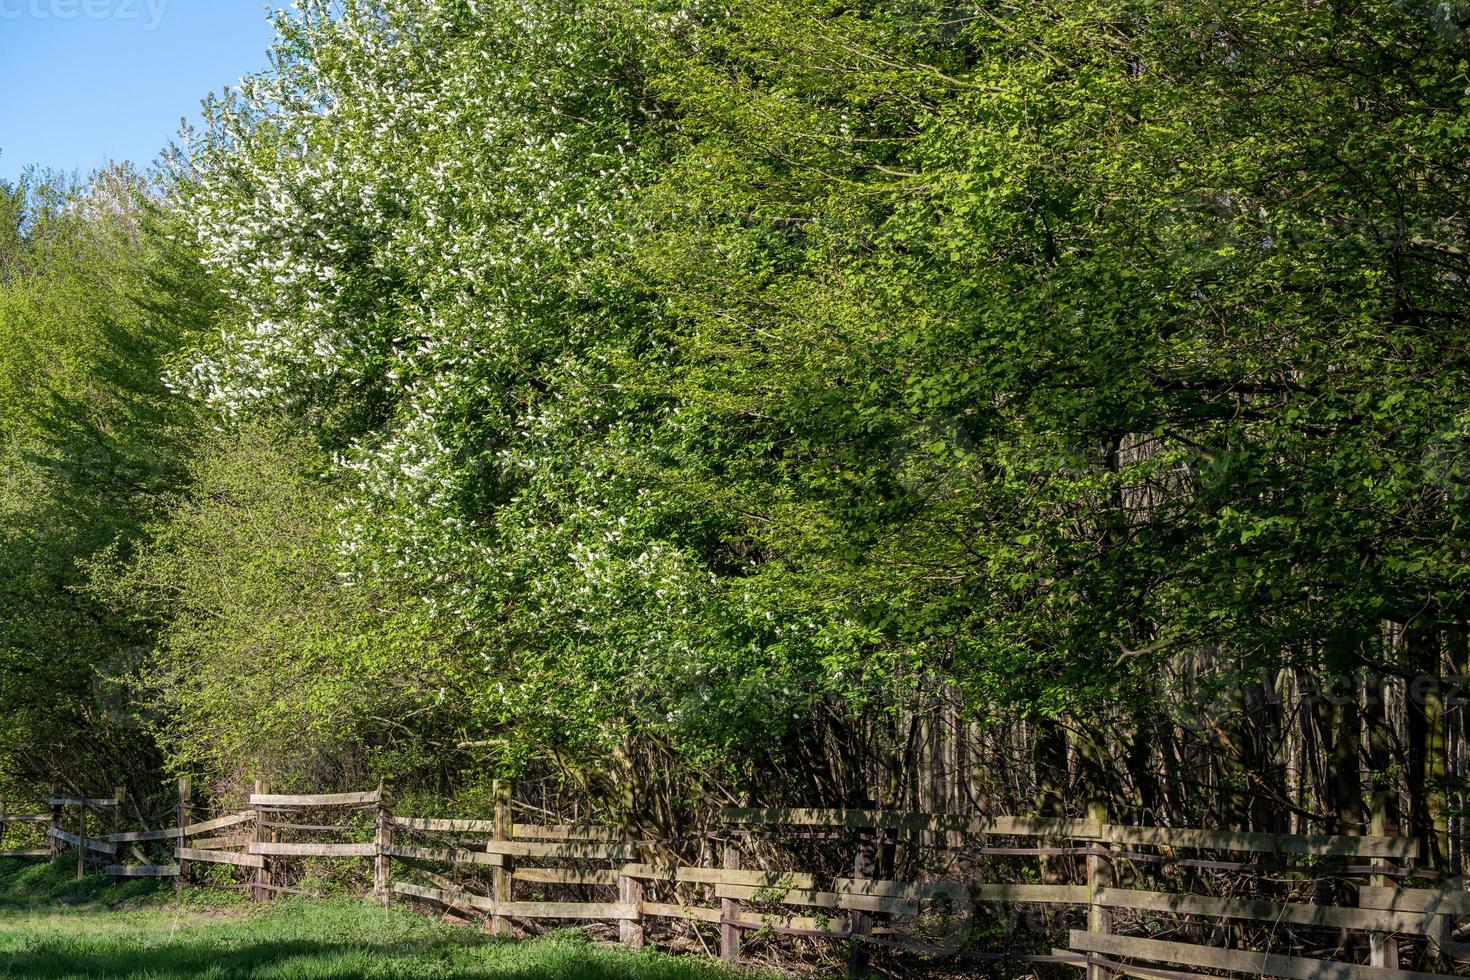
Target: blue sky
(87,81)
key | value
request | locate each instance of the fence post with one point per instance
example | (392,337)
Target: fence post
(1099,876)
(500,874)
(262,873)
(384,840)
(82,841)
(185,788)
(1383,948)
(3,823)
(52,841)
(730,909)
(859,955)
(630,892)
(119,797)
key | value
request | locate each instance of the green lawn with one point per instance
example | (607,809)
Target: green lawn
(51,927)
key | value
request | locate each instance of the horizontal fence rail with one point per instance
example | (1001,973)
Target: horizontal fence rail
(26,822)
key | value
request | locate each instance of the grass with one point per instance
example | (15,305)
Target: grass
(53,927)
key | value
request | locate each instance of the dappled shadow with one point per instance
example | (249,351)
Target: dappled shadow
(206,956)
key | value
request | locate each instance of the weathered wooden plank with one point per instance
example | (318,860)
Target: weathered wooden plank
(330,828)
(219,857)
(138,836)
(796,896)
(862,896)
(219,823)
(25,818)
(1030,894)
(902,889)
(1236,960)
(524,831)
(1261,910)
(439,881)
(92,845)
(565,876)
(889,820)
(419,891)
(569,850)
(1186,837)
(721,876)
(445,826)
(316,799)
(215,843)
(96,803)
(1452,900)
(142,870)
(1330,845)
(445,855)
(812,898)
(876,903)
(803,924)
(443,897)
(313,850)
(524,910)
(36,853)
(978,891)
(1124,969)
(788,880)
(694,912)
(567,910)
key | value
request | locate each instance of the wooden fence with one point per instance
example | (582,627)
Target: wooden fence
(1362,914)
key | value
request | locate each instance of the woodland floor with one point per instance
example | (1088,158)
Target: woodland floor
(53,927)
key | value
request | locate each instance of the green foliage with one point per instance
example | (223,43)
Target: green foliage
(268,664)
(718,372)
(621,381)
(1037,339)
(89,435)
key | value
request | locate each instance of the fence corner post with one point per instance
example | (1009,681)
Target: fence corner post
(262,873)
(1099,877)
(500,874)
(730,909)
(185,788)
(52,841)
(630,893)
(384,841)
(119,797)
(82,841)
(630,890)
(1383,948)
(859,955)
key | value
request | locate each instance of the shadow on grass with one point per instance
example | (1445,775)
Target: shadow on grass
(316,960)
(31,883)
(52,927)
(205,957)
(282,945)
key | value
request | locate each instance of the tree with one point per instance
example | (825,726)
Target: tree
(89,436)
